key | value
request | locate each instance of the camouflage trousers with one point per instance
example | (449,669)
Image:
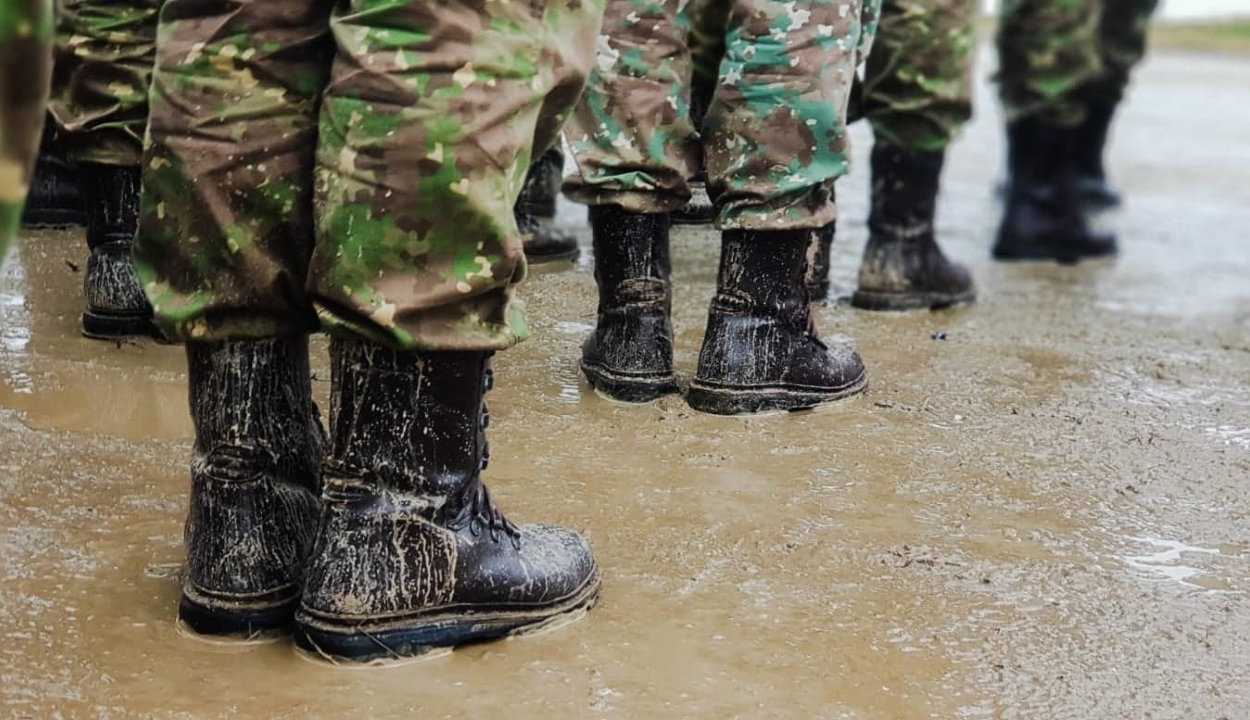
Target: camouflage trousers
(774,138)
(350,165)
(104,56)
(25,69)
(1056,57)
(917,86)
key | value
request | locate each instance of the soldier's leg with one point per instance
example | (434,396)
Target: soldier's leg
(917,94)
(104,64)
(535,211)
(54,200)
(223,251)
(1122,34)
(635,148)
(707,19)
(427,128)
(1047,51)
(776,141)
(25,71)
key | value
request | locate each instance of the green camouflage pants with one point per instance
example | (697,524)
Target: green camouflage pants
(1055,57)
(1122,33)
(917,88)
(25,68)
(350,165)
(104,55)
(775,133)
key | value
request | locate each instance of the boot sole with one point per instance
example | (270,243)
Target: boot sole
(419,634)
(99,326)
(690,220)
(1062,257)
(720,400)
(53,219)
(870,300)
(563,255)
(631,389)
(228,618)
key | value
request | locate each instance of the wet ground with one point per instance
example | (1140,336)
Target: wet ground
(1042,516)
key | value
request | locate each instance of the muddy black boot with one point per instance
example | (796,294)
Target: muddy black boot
(535,212)
(699,209)
(254,486)
(411,553)
(1093,190)
(116,305)
(629,356)
(1043,219)
(53,200)
(761,352)
(903,268)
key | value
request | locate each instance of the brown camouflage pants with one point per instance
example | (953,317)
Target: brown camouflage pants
(351,165)
(775,133)
(104,55)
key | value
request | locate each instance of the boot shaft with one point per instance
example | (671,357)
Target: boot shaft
(632,260)
(408,423)
(542,186)
(904,192)
(110,195)
(763,270)
(252,407)
(1090,140)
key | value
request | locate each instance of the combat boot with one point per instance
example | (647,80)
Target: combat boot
(53,200)
(818,259)
(629,356)
(535,212)
(1093,190)
(1043,219)
(116,305)
(761,351)
(903,268)
(412,553)
(699,209)
(255,476)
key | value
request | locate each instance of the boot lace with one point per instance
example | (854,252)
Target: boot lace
(477,512)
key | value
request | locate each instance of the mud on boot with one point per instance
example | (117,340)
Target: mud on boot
(903,268)
(412,553)
(629,355)
(761,352)
(54,200)
(1043,218)
(535,212)
(116,304)
(254,486)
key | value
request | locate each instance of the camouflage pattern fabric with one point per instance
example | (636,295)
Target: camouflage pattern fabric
(775,133)
(351,165)
(104,55)
(25,70)
(917,87)
(1046,52)
(1122,33)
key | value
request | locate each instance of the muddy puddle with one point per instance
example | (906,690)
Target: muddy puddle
(1041,516)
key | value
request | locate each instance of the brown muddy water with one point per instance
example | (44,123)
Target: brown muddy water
(1042,516)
